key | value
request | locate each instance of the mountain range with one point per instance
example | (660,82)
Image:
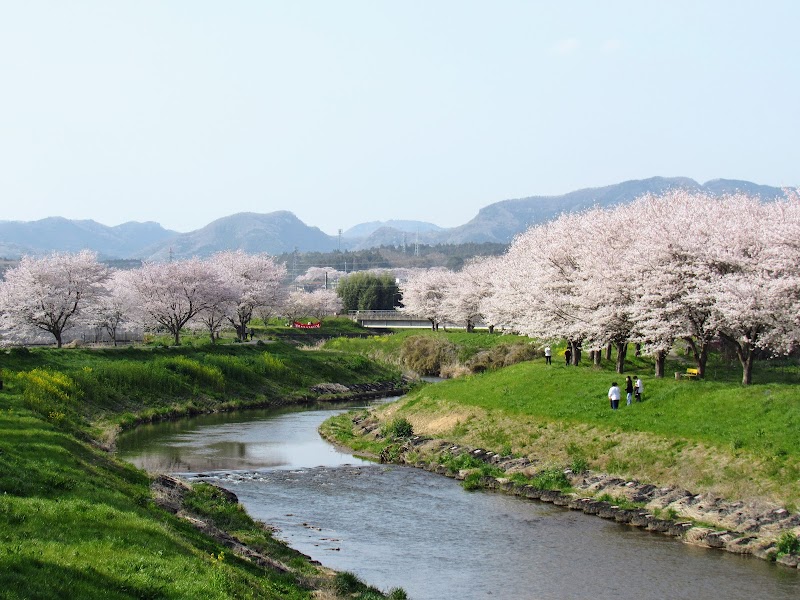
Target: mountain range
(282,231)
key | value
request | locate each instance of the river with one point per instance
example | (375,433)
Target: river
(403,527)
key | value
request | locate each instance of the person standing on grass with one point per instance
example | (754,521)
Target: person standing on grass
(638,388)
(548,356)
(567,355)
(629,389)
(614,395)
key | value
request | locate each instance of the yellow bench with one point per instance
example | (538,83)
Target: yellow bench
(692,373)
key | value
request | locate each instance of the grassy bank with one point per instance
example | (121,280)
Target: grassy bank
(706,436)
(76,522)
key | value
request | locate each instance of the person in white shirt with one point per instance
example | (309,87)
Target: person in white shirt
(614,395)
(548,356)
(638,388)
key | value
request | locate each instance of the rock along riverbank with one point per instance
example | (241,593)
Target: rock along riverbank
(699,519)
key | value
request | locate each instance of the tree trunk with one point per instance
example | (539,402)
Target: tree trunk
(57,335)
(661,359)
(745,352)
(491,328)
(597,356)
(575,348)
(622,350)
(608,352)
(177,337)
(747,368)
(638,349)
(700,355)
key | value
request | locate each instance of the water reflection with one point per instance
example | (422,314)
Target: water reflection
(248,440)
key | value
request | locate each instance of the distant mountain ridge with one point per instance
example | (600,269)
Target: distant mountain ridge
(254,233)
(281,231)
(65,235)
(501,221)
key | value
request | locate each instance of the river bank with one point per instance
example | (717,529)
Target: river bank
(79,522)
(756,528)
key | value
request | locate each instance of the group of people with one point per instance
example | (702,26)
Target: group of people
(632,390)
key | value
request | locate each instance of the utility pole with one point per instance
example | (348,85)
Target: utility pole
(339,246)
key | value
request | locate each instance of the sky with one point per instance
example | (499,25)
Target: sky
(186,111)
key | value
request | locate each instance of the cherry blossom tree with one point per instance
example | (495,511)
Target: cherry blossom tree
(756,292)
(318,304)
(256,282)
(681,265)
(215,314)
(424,294)
(323,303)
(115,306)
(325,277)
(172,294)
(51,293)
(467,292)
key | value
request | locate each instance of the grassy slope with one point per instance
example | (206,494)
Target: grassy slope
(713,435)
(76,522)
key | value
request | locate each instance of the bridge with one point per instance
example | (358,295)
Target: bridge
(386,319)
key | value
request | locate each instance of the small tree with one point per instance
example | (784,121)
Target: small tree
(368,291)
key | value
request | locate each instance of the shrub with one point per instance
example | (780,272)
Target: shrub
(427,354)
(398,428)
(462,461)
(551,479)
(452,371)
(502,355)
(347,583)
(579,465)
(787,543)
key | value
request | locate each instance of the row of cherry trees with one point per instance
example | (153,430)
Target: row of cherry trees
(679,266)
(57,292)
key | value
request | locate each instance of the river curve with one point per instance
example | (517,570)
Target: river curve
(402,527)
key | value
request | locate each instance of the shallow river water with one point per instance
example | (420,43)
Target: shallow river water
(404,527)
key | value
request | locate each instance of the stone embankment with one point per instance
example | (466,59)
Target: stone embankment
(699,519)
(359,391)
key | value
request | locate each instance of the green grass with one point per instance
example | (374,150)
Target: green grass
(763,418)
(77,523)
(130,385)
(714,435)
(468,344)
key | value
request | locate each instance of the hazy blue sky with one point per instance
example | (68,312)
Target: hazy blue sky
(342,112)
